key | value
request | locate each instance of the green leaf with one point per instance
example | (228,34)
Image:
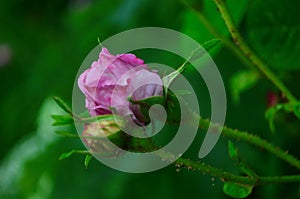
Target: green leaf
(87,160)
(182,92)
(296,109)
(68,154)
(108,117)
(62,105)
(273,31)
(148,101)
(271,112)
(196,54)
(287,107)
(233,151)
(60,120)
(202,20)
(242,81)
(209,45)
(67,134)
(195,4)
(173,108)
(270,115)
(237,190)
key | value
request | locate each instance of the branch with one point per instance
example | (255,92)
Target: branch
(226,176)
(253,139)
(139,145)
(248,53)
(215,33)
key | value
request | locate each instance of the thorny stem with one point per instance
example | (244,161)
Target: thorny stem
(218,173)
(226,176)
(240,136)
(249,54)
(215,172)
(224,39)
(254,140)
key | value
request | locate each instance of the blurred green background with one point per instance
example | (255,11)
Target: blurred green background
(42,45)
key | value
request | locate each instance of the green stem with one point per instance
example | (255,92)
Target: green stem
(140,145)
(226,176)
(253,139)
(224,39)
(219,173)
(252,57)
(238,135)
(279,179)
(215,172)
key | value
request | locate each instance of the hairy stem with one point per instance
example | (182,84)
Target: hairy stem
(279,179)
(254,140)
(140,146)
(226,176)
(252,57)
(223,39)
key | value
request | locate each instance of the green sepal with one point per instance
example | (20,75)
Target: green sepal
(233,153)
(146,103)
(173,108)
(62,105)
(67,134)
(68,154)
(60,120)
(87,160)
(232,150)
(196,54)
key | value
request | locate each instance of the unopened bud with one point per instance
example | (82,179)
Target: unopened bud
(103,138)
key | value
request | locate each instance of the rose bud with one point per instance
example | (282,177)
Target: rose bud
(96,134)
(112,80)
(272,99)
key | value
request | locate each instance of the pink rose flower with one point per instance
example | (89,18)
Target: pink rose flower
(111,80)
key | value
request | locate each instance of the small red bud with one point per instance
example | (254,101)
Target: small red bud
(272,99)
